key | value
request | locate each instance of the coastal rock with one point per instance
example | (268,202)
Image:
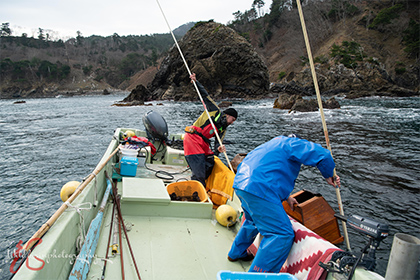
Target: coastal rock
(286,101)
(291,88)
(368,79)
(302,105)
(137,97)
(297,103)
(227,70)
(331,103)
(225,104)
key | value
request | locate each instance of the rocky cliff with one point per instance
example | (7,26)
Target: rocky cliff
(351,57)
(224,62)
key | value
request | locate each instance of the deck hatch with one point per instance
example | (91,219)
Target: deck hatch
(144,190)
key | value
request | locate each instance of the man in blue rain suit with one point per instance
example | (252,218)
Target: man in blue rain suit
(265,178)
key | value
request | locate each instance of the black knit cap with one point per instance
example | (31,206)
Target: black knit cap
(231,112)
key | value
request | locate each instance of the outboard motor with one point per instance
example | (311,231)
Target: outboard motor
(375,231)
(156,127)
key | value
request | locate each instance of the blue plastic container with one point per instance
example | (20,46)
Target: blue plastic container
(128,166)
(229,275)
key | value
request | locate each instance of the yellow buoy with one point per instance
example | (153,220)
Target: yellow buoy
(68,189)
(130,133)
(226,215)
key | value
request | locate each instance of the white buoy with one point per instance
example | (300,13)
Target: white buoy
(404,257)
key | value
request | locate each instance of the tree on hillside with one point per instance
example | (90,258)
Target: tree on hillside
(41,34)
(237,15)
(5,29)
(276,9)
(116,40)
(385,16)
(411,39)
(259,4)
(340,9)
(79,38)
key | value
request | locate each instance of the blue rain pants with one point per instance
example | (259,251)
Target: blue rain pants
(269,219)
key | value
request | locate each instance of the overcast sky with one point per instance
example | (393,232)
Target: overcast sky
(63,18)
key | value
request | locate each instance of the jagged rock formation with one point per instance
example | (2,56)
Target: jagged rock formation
(369,79)
(297,103)
(292,88)
(225,63)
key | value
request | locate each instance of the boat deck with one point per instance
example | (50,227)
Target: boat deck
(170,239)
(170,248)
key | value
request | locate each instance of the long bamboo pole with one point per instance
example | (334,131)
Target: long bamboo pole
(195,86)
(45,227)
(324,124)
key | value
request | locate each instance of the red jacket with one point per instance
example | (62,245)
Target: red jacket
(198,140)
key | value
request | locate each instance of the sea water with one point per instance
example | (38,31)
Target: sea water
(375,142)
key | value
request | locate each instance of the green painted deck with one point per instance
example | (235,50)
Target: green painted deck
(170,239)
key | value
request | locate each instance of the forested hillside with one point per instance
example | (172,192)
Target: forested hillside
(357,45)
(42,67)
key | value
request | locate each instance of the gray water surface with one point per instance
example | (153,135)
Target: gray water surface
(375,142)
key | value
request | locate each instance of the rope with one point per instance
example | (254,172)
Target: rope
(324,124)
(195,86)
(169,176)
(82,232)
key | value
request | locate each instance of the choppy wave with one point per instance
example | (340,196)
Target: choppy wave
(375,142)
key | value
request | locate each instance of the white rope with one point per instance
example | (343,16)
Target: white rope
(82,232)
(195,86)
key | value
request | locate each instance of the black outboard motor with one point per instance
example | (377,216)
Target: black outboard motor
(156,126)
(375,231)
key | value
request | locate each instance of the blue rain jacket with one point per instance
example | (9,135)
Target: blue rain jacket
(270,170)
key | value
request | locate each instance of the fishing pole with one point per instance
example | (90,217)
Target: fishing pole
(195,86)
(121,221)
(121,249)
(324,124)
(111,227)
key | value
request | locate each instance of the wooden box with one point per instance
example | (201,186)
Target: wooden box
(314,212)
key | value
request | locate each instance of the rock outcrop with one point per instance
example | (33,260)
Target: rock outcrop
(369,79)
(224,62)
(297,103)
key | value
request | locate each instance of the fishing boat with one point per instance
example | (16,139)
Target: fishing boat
(138,216)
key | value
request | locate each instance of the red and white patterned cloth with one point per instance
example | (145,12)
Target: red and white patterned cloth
(307,251)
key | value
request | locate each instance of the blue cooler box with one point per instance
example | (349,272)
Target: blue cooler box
(128,166)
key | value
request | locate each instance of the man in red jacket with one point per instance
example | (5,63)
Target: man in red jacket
(197,150)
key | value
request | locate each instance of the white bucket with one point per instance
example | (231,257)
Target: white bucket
(129,152)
